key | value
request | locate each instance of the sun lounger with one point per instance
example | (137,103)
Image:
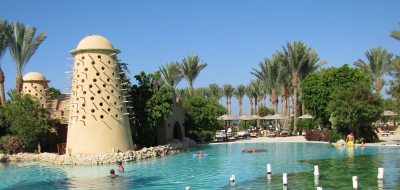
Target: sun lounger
(385,133)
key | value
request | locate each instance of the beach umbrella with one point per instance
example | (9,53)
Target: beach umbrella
(306,116)
(389,113)
(267,117)
(226,117)
(247,118)
(278,116)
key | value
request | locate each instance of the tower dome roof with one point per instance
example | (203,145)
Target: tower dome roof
(94,42)
(34,76)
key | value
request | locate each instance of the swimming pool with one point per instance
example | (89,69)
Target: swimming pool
(337,166)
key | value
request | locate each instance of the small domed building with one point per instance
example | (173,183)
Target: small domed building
(98,118)
(36,85)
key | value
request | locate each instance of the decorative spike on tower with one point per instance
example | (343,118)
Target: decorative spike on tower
(97,123)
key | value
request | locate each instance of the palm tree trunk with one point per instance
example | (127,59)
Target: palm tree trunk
(240,106)
(2,93)
(274,100)
(259,105)
(255,105)
(295,110)
(303,108)
(230,105)
(378,86)
(227,104)
(251,106)
(283,104)
(190,88)
(18,83)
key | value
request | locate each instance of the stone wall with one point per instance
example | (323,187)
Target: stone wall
(128,156)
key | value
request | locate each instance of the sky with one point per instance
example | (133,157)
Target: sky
(232,37)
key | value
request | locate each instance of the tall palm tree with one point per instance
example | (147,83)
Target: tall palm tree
(215,90)
(239,93)
(190,68)
(228,93)
(269,74)
(379,62)
(257,94)
(297,56)
(3,47)
(22,43)
(171,74)
(249,94)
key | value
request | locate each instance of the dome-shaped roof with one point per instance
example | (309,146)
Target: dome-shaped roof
(34,76)
(94,42)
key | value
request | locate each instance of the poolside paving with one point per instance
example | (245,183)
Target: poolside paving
(390,140)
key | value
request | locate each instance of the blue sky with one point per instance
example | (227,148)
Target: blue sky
(231,36)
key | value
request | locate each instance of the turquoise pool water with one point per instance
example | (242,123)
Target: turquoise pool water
(337,166)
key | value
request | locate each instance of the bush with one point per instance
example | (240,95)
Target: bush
(318,135)
(201,135)
(335,136)
(11,144)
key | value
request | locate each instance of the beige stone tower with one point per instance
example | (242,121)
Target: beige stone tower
(36,85)
(98,118)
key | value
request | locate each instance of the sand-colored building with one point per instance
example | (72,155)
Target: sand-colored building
(36,85)
(98,118)
(173,126)
(93,117)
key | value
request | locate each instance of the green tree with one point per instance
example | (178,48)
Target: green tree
(299,59)
(317,88)
(239,93)
(26,119)
(3,46)
(151,106)
(228,93)
(354,109)
(379,62)
(201,117)
(54,93)
(395,34)
(22,43)
(190,68)
(249,94)
(257,87)
(215,90)
(171,74)
(268,73)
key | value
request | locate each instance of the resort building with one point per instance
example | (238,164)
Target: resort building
(173,126)
(98,118)
(36,85)
(93,117)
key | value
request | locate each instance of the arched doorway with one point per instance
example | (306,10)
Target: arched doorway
(178,131)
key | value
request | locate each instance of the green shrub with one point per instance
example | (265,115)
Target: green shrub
(11,144)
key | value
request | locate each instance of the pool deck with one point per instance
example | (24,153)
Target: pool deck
(390,140)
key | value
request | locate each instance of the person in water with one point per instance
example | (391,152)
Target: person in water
(121,168)
(350,139)
(254,150)
(200,153)
(112,174)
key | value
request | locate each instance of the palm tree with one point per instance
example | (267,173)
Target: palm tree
(298,56)
(395,34)
(269,74)
(3,47)
(379,62)
(22,43)
(171,74)
(249,94)
(239,93)
(215,90)
(190,68)
(257,94)
(228,93)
